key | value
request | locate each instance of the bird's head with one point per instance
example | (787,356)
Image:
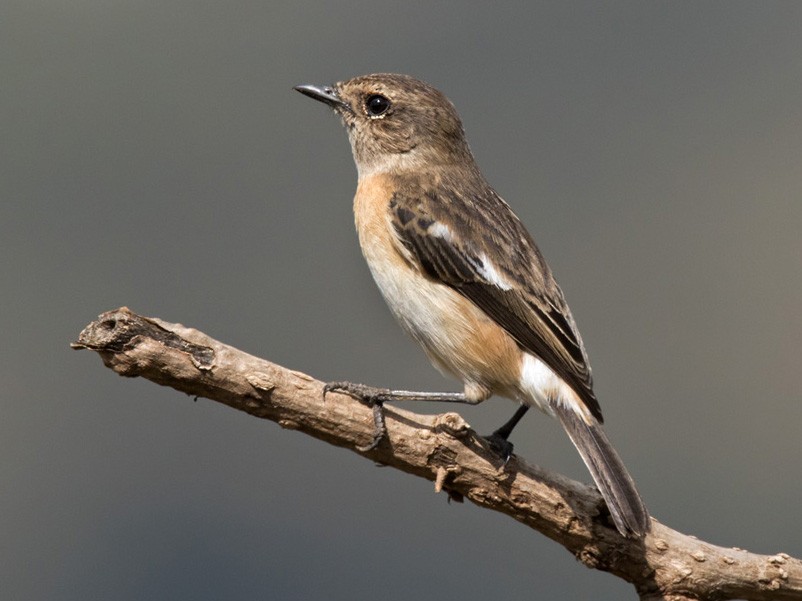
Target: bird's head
(395,122)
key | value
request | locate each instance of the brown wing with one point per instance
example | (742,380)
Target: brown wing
(476,245)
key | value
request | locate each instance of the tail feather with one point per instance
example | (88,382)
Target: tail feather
(608,471)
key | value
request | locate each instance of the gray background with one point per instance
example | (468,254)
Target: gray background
(154,155)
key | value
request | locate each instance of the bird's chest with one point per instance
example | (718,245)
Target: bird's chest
(456,335)
(416,301)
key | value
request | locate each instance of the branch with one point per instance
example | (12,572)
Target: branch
(666,565)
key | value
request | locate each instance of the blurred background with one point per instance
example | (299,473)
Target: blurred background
(154,155)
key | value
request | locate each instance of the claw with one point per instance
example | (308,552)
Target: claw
(501,446)
(379,428)
(370,396)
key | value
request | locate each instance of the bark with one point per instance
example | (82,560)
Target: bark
(665,565)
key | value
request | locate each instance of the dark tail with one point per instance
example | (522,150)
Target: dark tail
(608,471)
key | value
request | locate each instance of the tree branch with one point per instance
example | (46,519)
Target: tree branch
(666,565)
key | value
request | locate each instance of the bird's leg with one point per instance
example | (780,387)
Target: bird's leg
(499,439)
(372,394)
(376,397)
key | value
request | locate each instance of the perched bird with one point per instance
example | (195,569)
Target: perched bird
(463,276)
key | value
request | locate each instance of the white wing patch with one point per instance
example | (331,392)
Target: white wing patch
(489,272)
(440,230)
(482,264)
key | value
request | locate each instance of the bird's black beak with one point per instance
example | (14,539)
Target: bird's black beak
(323,94)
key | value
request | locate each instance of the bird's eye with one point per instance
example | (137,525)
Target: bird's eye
(376,105)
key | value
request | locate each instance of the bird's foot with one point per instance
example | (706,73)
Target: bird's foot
(501,446)
(372,397)
(500,439)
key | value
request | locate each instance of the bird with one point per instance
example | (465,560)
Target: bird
(463,276)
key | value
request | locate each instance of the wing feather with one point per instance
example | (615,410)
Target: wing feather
(476,245)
